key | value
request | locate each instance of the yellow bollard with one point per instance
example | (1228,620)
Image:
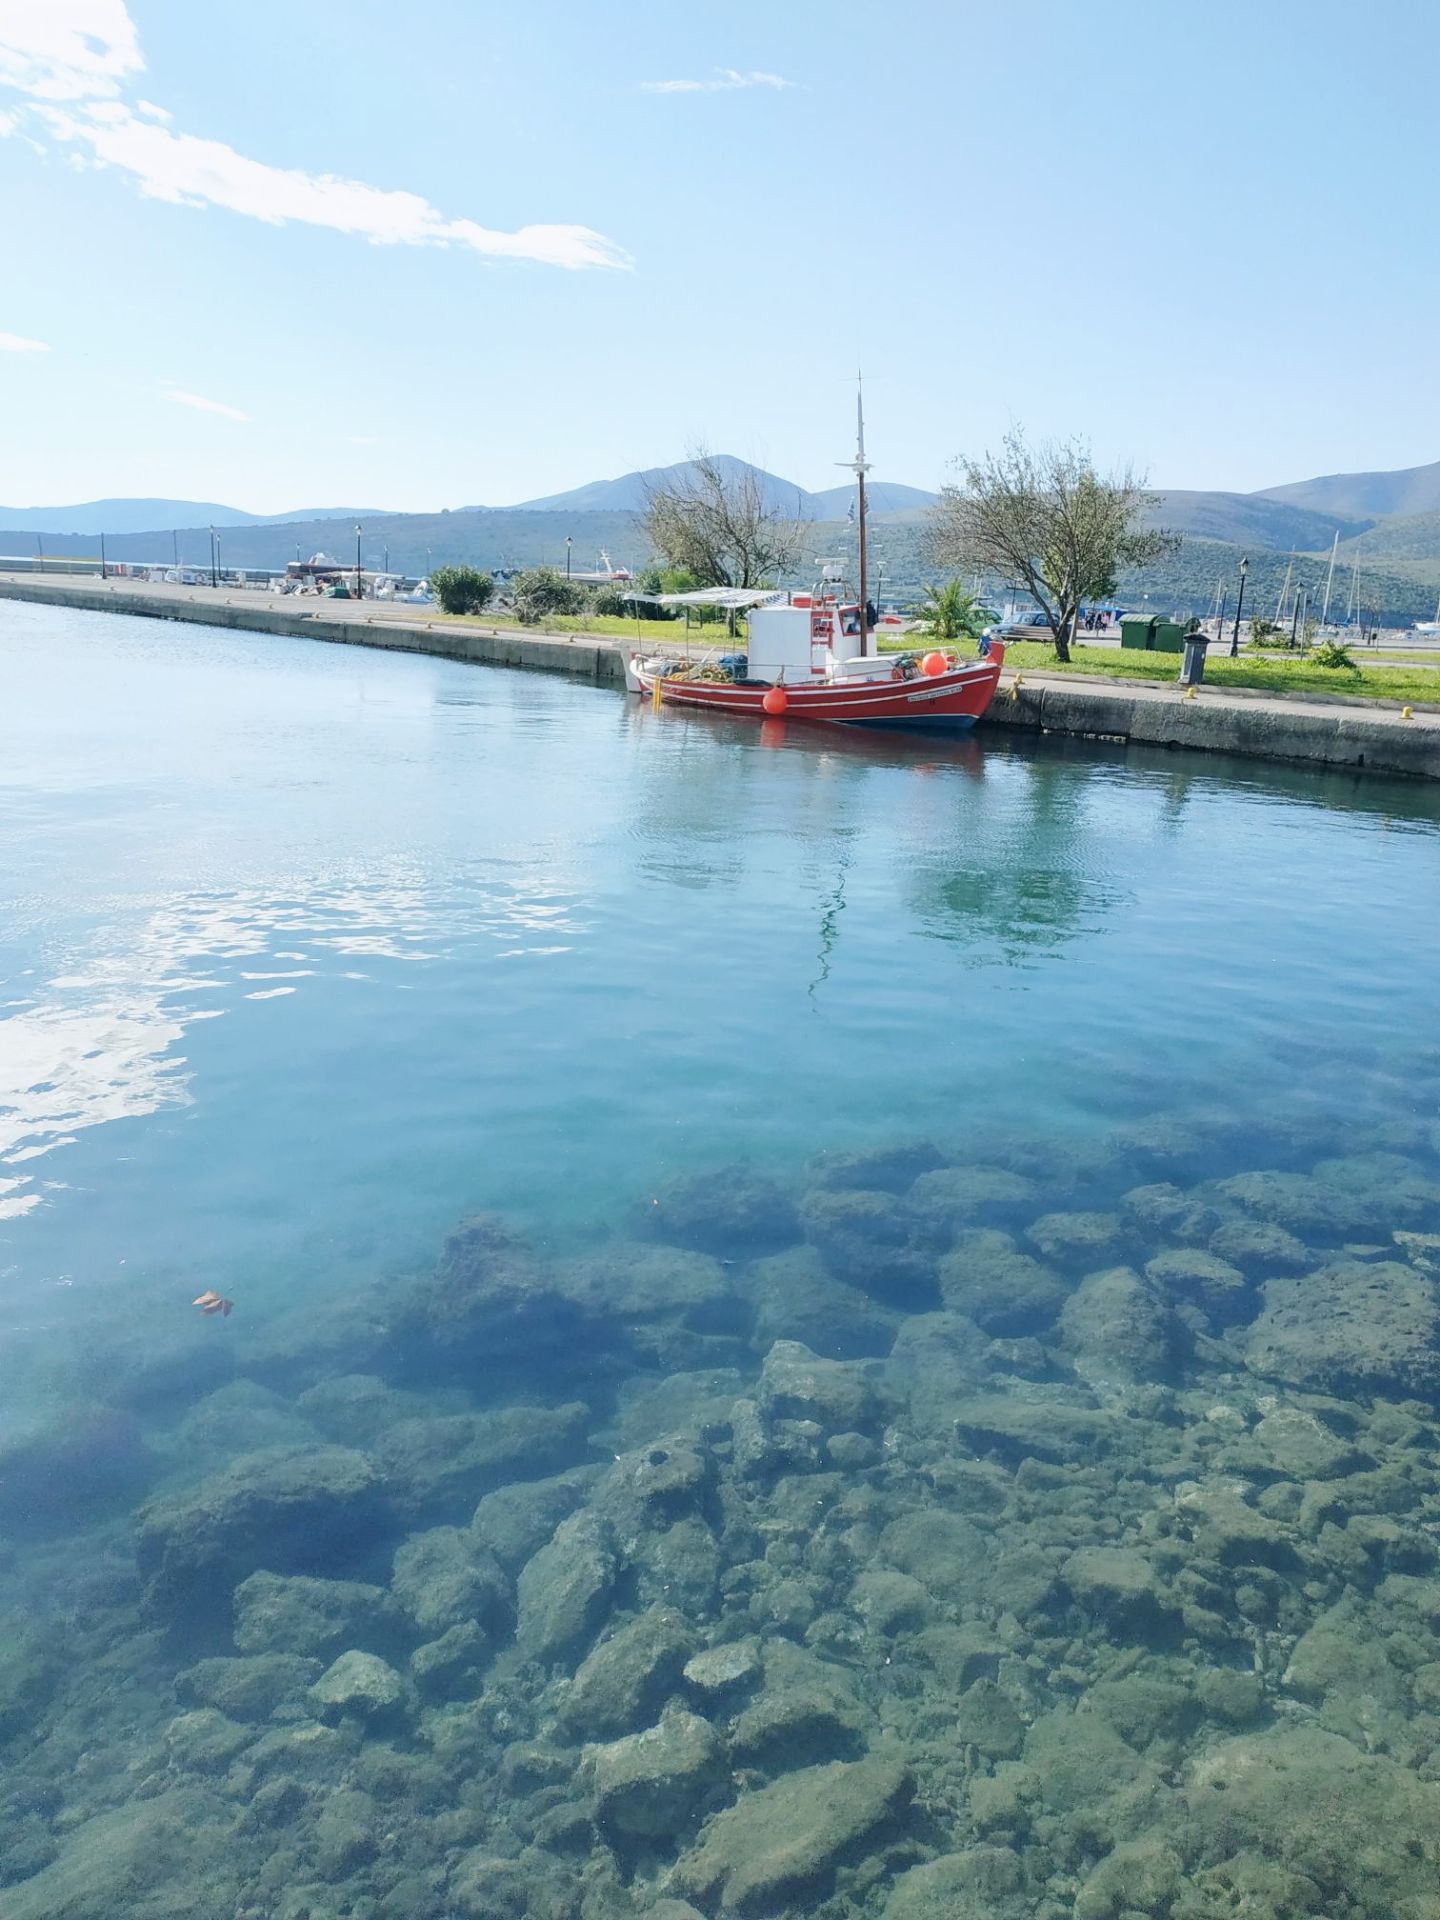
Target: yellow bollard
(1407,713)
(1190,693)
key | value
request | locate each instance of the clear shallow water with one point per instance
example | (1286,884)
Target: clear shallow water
(309,951)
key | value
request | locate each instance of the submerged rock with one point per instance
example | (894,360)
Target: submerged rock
(877,1169)
(652,1784)
(359,1683)
(621,1683)
(317,1618)
(1197,1277)
(1353,1327)
(248,1688)
(781,1845)
(733,1212)
(564,1590)
(982,1883)
(1117,1330)
(444,1577)
(63,1475)
(151,1859)
(866,1240)
(1002,1290)
(796,1384)
(438,1468)
(451,1666)
(286,1509)
(793,1297)
(516,1520)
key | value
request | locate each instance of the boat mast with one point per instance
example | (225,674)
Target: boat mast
(860,465)
(1330,579)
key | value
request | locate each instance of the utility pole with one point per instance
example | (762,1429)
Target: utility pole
(103,574)
(214,568)
(175,547)
(567,556)
(1295,617)
(357,559)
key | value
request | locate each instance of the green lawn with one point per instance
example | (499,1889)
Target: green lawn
(604,626)
(1269,673)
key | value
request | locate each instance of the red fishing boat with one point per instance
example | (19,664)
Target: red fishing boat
(812,656)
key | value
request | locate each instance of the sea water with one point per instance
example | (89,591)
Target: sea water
(932,1409)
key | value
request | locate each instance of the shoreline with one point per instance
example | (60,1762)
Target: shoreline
(1317,730)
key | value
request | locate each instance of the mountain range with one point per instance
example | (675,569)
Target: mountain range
(1388,526)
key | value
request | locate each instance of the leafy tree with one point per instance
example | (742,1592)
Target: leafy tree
(542,591)
(610,601)
(952,612)
(717,525)
(1046,519)
(461,589)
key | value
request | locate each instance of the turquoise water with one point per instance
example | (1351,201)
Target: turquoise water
(307,952)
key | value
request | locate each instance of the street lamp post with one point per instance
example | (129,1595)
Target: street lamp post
(214,568)
(104,575)
(40,552)
(1239,609)
(1295,619)
(358,531)
(567,556)
(1220,623)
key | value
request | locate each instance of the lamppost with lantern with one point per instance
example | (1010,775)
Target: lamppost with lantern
(358,531)
(1239,608)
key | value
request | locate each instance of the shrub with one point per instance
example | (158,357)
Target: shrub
(611,602)
(542,591)
(1331,653)
(461,589)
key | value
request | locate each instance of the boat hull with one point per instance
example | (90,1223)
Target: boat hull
(949,702)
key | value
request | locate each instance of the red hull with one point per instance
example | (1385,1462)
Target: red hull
(952,700)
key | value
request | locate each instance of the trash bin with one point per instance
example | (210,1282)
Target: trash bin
(1168,637)
(1138,630)
(1192,667)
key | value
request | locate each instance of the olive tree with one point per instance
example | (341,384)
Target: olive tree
(714,521)
(1044,519)
(461,589)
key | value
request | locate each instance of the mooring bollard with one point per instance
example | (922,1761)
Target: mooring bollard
(1192,664)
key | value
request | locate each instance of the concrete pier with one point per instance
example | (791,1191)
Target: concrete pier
(1373,736)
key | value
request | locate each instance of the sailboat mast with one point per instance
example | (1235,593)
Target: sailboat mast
(1330,578)
(860,479)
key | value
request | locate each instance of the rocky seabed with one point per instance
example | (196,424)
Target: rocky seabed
(1050,1532)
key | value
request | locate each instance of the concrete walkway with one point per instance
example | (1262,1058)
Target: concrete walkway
(1374,736)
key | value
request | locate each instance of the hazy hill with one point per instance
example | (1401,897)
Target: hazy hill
(1416,536)
(1373,496)
(1252,519)
(138,516)
(628,494)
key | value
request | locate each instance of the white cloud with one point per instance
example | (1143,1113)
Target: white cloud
(70,65)
(17,343)
(202,405)
(723,80)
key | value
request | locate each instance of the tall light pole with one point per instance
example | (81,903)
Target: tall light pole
(567,556)
(1239,609)
(40,552)
(214,569)
(358,531)
(103,573)
(175,548)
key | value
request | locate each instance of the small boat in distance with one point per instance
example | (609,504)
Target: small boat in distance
(811,656)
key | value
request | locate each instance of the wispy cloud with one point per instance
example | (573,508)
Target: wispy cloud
(202,405)
(70,58)
(17,343)
(723,80)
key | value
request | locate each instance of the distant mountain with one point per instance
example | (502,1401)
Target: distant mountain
(140,516)
(1371,496)
(629,493)
(1251,519)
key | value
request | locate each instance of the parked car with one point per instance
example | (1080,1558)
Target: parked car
(1033,625)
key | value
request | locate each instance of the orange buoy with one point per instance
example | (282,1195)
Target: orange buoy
(776,700)
(934,663)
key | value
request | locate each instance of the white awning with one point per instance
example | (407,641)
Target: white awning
(711,597)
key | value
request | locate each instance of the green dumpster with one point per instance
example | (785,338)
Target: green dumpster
(1169,637)
(1137,630)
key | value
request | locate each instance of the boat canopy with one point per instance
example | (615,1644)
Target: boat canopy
(736,597)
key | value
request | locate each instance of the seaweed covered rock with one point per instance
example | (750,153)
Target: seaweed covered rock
(866,1240)
(354,1409)
(361,1684)
(1198,1278)
(444,1577)
(488,1308)
(285,1509)
(564,1590)
(734,1212)
(241,1417)
(890,1169)
(275,1614)
(621,1684)
(654,1486)
(806,1712)
(796,1384)
(987,1278)
(516,1520)
(437,1469)
(249,1687)
(950,1199)
(1352,1327)
(982,1883)
(780,1847)
(149,1859)
(1164,1211)
(1080,1240)
(1118,1331)
(1120,1587)
(792,1296)
(652,1784)
(30,1668)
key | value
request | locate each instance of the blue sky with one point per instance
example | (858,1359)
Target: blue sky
(411,257)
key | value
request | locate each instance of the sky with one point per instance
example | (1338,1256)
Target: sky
(284,256)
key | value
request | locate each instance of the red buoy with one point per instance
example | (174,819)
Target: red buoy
(776,700)
(934,663)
